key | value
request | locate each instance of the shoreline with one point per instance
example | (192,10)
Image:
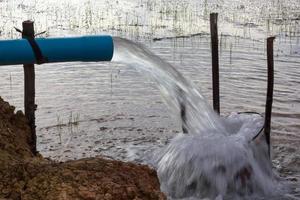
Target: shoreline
(25,176)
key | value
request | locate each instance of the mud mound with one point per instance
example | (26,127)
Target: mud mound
(14,135)
(93,178)
(24,176)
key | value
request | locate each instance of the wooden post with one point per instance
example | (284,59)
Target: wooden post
(215,60)
(269,99)
(29,87)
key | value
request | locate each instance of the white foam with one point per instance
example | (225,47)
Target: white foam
(218,158)
(216,166)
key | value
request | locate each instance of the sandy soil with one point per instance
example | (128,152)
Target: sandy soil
(25,176)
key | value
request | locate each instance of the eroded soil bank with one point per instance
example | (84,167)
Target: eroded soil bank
(25,176)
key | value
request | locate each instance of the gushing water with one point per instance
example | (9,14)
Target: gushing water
(175,89)
(219,157)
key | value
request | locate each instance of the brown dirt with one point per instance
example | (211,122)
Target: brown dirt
(25,176)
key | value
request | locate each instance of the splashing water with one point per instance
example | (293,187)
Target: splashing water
(219,157)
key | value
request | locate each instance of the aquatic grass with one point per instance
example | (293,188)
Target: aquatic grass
(148,18)
(59,125)
(64,140)
(72,122)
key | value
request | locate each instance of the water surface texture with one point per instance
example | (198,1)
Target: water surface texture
(89,109)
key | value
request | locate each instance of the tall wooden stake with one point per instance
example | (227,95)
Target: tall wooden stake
(29,87)
(215,60)
(269,100)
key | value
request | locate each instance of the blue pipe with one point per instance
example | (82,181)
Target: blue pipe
(87,49)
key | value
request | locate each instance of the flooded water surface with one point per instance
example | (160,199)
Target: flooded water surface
(115,110)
